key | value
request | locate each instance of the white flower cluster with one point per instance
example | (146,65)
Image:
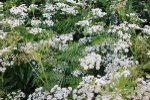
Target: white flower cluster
(82,3)
(39,95)
(2,69)
(49,7)
(1,5)
(69,10)
(76,73)
(32,7)
(123,26)
(84,40)
(79,2)
(135,17)
(90,61)
(60,93)
(125,73)
(84,90)
(114,61)
(125,37)
(48,13)
(121,45)
(66,9)
(83,23)
(16,95)
(134,26)
(56,93)
(2,34)
(142,90)
(89,86)
(7,49)
(60,42)
(146,29)
(115,58)
(35,30)
(48,22)
(93,29)
(90,49)
(97,12)
(35,22)
(6,62)
(20,10)
(13,22)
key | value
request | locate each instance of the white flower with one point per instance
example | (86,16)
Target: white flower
(35,31)
(66,8)
(48,23)
(49,97)
(83,23)
(32,6)
(20,10)
(69,10)
(1,5)
(2,69)
(2,34)
(35,22)
(126,73)
(13,22)
(146,29)
(76,73)
(49,7)
(38,89)
(60,42)
(7,49)
(97,12)
(93,29)
(90,61)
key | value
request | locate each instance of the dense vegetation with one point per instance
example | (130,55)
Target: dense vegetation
(74,50)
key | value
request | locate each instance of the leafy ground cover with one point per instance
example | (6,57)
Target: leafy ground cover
(74,50)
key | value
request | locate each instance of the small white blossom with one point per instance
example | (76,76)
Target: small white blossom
(32,6)
(146,29)
(20,10)
(35,31)
(35,22)
(1,5)
(83,23)
(13,22)
(93,29)
(48,23)
(66,8)
(76,73)
(98,12)
(2,69)
(90,61)
(2,34)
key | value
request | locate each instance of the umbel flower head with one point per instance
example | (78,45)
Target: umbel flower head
(90,61)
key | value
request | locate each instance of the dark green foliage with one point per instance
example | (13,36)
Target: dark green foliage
(65,25)
(22,78)
(4,85)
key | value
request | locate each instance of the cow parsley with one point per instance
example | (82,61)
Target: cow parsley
(90,61)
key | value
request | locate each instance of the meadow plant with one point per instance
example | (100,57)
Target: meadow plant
(74,50)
